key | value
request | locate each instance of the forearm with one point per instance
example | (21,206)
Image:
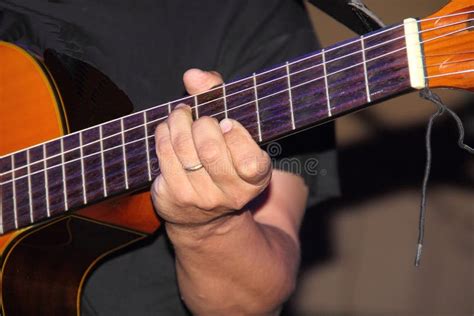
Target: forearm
(227,264)
(234,267)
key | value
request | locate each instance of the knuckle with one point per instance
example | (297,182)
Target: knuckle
(248,167)
(237,202)
(185,198)
(207,204)
(208,151)
(158,192)
(155,188)
(265,163)
(254,168)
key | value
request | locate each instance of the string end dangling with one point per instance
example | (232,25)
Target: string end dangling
(441,108)
(419,250)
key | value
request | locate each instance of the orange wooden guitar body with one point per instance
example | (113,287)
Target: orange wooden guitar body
(32,112)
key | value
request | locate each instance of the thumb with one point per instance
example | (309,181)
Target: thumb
(198,81)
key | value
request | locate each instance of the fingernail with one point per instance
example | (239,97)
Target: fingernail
(226,125)
(181,105)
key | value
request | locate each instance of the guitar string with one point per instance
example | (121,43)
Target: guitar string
(152,122)
(446,54)
(132,142)
(451,74)
(41,170)
(451,62)
(216,99)
(355,41)
(216,114)
(124,145)
(429,95)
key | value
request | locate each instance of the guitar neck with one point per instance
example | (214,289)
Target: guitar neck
(118,156)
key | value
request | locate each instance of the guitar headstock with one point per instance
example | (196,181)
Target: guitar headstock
(448,40)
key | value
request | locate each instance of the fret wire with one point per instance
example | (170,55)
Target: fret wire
(15,211)
(196,107)
(289,88)
(66,202)
(326,83)
(308,57)
(124,155)
(264,83)
(267,82)
(46,182)
(284,90)
(102,161)
(30,194)
(290,96)
(83,174)
(145,126)
(247,103)
(367,88)
(224,96)
(256,106)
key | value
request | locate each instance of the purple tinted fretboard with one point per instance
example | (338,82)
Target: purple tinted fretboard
(106,160)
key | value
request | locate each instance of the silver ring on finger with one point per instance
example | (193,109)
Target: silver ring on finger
(193,168)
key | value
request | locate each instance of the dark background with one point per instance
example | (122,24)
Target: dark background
(359,250)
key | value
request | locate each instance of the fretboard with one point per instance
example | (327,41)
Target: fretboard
(88,166)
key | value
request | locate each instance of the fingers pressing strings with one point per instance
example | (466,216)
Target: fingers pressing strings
(212,79)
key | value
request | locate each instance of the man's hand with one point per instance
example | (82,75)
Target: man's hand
(234,169)
(231,258)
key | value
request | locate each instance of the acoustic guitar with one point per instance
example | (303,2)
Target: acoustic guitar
(70,182)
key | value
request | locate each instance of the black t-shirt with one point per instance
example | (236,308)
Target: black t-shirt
(144,47)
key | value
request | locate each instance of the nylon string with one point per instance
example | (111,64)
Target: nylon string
(244,104)
(293,73)
(290,63)
(429,95)
(164,117)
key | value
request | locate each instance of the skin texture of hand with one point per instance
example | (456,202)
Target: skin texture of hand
(232,257)
(235,169)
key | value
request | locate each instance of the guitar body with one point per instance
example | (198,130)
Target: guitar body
(49,262)
(44,266)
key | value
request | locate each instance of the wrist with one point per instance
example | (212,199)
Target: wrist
(193,235)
